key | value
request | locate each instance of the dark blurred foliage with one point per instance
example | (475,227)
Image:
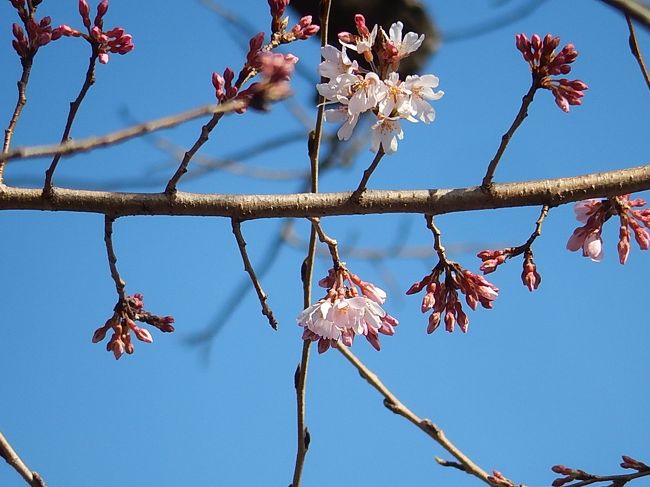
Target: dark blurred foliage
(382,12)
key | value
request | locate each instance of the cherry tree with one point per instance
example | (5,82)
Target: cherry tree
(335,297)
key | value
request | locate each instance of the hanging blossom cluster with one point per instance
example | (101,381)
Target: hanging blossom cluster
(494,258)
(375,86)
(39,33)
(351,307)
(544,62)
(594,213)
(276,69)
(114,41)
(123,323)
(442,297)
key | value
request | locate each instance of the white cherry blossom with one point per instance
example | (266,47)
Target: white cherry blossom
(405,45)
(385,133)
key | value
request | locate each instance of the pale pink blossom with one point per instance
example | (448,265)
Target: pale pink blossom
(421,88)
(385,133)
(405,45)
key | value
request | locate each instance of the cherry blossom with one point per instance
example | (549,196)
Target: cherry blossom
(351,307)
(376,87)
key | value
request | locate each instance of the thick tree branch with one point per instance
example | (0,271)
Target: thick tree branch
(550,192)
(12,458)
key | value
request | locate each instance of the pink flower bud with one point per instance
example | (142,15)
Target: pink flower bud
(143,335)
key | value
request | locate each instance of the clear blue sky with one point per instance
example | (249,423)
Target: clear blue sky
(555,376)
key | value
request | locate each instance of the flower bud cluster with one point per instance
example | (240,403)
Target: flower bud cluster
(442,297)
(351,307)
(629,462)
(39,33)
(304,29)
(375,86)
(594,213)
(114,41)
(544,62)
(122,323)
(494,258)
(570,474)
(497,479)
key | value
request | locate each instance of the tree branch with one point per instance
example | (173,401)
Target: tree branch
(396,406)
(640,11)
(636,51)
(241,243)
(550,192)
(12,458)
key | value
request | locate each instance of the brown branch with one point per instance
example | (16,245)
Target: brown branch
(307,270)
(20,104)
(550,192)
(332,244)
(636,51)
(437,240)
(112,260)
(639,11)
(11,457)
(356,195)
(90,143)
(241,243)
(89,80)
(505,139)
(426,425)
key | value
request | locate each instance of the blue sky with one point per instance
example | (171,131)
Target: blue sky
(554,376)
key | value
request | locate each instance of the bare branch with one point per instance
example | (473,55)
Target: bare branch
(332,245)
(89,80)
(11,457)
(112,260)
(636,51)
(356,195)
(640,11)
(396,406)
(241,243)
(90,143)
(550,192)
(505,139)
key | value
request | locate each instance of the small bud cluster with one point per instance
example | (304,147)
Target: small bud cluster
(112,41)
(594,213)
(571,474)
(497,479)
(276,69)
(442,297)
(631,463)
(494,258)
(304,29)
(351,307)
(376,87)
(39,33)
(123,323)
(544,62)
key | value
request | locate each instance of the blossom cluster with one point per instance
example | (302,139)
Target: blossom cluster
(494,258)
(112,41)
(544,62)
(594,213)
(351,307)
(39,33)
(442,297)
(123,323)
(372,84)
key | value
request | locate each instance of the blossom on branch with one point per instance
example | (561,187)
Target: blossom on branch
(351,307)
(594,213)
(123,323)
(544,62)
(374,86)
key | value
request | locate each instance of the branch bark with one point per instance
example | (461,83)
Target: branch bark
(550,192)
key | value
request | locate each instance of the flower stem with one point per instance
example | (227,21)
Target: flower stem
(356,195)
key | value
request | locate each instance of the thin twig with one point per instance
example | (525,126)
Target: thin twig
(332,244)
(11,457)
(20,104)
(639,11)
(241,243)
(356,195)
(112,259)
(636,51)
(89,80)
(505,139)
(550,192)
(437,239)
(307,270)
(617,480)
(427,426)
(90,143)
